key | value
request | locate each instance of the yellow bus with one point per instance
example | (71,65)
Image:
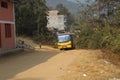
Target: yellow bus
(66,41)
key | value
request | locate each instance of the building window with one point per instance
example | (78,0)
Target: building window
(4,4)
(8,30)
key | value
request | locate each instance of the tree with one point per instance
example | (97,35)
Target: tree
(112,8)
(99,24)
(99,11)
(40,10)
(31,16)
(64,11)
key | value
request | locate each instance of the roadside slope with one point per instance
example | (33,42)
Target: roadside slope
(88,66)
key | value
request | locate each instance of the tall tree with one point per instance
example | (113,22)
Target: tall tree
(64,11)
(40,10)
(31,16)
(112,9)
(99,11)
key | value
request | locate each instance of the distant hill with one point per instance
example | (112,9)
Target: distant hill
(73,7)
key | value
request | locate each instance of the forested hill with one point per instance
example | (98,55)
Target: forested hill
(73,7)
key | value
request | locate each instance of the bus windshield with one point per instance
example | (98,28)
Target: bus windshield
(63,38)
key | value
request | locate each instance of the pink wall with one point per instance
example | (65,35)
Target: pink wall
(7,43)
(7,13)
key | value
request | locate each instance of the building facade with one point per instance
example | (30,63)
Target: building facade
(56,21)
(7,26)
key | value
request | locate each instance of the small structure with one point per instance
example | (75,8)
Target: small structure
(56,21)
(7,26)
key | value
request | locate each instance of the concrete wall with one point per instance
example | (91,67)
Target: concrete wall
(56,21)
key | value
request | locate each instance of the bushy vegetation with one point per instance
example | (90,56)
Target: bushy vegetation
(31,17)
(99,30)
(100,38)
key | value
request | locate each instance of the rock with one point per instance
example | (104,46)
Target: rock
(84,75)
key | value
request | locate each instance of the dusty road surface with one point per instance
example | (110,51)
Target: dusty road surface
(52,64)
(43,64)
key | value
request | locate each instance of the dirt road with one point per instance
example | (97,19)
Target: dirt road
(51,64)
(43,64)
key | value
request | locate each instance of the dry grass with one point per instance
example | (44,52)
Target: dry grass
(112,57)
(93,65)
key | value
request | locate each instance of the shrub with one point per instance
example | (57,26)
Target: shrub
(104,38)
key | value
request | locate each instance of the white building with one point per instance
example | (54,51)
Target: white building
(56,21)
